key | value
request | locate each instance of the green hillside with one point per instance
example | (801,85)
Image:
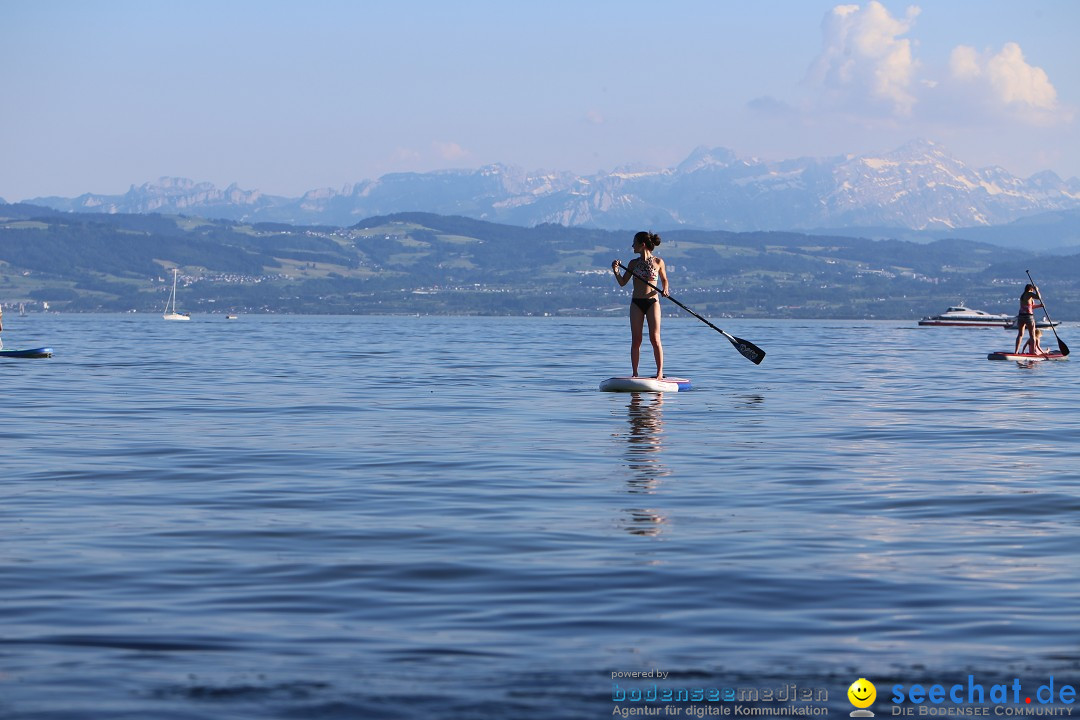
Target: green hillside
(423,263)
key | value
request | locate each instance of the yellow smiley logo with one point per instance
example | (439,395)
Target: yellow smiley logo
(862,693)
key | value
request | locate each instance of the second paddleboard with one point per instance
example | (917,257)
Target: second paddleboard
(1006,355)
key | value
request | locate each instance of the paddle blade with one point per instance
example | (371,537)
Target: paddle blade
(754,354)
(1063,347)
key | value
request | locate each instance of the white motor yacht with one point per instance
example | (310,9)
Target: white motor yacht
(960,316)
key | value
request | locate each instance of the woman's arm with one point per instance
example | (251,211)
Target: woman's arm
(662,273)
(625,277)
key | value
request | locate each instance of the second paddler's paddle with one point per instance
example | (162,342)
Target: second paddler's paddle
(1061,346)
(747,349)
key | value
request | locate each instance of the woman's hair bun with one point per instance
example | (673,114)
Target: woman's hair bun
(649,238)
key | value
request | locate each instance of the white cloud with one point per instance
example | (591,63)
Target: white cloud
(1016,82)
(404,155)
(864,60)
(964,63)
(450,150)
(868,72)
(1006,82)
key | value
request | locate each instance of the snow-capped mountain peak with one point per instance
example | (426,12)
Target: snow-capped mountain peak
(919,185)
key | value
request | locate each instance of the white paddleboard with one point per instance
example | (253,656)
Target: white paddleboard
(645,384)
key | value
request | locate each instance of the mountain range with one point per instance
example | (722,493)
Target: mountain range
(919,187)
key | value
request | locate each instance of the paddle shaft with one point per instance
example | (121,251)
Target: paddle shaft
(748,349)
(1061,346)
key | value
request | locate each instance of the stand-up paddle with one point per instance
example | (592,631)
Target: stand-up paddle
(1061,346)
(747,349)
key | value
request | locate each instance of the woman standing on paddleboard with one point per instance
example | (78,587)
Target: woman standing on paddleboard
(645,304)
(1025,320)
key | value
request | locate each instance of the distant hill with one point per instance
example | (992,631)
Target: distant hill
(919,187)
(1055,233)
(425,263)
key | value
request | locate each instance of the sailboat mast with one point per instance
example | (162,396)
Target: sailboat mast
(170,304)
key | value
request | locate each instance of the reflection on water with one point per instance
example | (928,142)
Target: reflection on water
(750,402)
(644,444)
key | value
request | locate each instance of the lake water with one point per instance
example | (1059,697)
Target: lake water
(415,517)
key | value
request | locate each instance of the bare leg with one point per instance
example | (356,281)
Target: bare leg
(1019,335)
(637,320)
(654,338)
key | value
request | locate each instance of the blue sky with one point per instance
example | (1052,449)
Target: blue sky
(285,97)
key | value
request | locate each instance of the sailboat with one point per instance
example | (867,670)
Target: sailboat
(173,315)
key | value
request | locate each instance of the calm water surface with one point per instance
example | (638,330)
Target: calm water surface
(411,517)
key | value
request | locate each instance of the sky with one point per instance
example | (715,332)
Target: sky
(286,97)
